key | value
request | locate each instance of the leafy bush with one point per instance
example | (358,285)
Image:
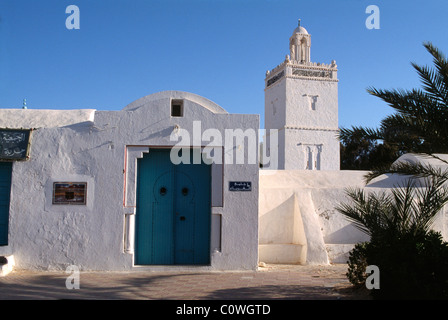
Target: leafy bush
(412,258)
(357,264)
(410,267)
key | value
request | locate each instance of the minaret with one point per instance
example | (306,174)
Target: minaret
(299,45)
(301,102)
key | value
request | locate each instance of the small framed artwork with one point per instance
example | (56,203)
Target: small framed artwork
(70,193)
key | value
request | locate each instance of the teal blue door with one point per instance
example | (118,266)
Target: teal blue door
(173,211)
(5,189)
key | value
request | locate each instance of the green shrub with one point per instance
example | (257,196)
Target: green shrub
(411,267)
(411,257)
(357,264)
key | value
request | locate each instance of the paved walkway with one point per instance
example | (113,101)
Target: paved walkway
(283,282)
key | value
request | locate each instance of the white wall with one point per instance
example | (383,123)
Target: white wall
(298,111)
(299,222)
(45,236)
(305,199)
(324,147)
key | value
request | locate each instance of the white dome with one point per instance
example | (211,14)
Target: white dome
(300,30)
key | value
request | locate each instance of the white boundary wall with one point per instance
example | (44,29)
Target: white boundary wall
(298,222)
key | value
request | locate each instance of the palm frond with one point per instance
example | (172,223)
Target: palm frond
(430,200)
(433,83)
(407,209)
(417,170)
(414,103)
(439,59)
(358,133)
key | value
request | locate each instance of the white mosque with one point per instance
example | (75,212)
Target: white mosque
(98,189)
(301,103)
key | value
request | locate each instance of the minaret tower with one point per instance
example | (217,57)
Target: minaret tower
(301,102)
(299,45)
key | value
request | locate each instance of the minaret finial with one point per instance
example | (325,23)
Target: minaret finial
(299,22)
(24,104)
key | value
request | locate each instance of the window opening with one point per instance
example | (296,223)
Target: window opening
(177,108)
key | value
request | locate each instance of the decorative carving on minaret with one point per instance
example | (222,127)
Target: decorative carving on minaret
(299,45)
(298,65)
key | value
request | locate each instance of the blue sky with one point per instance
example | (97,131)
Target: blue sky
(219,49)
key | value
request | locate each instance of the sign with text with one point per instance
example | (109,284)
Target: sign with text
(240,186)
(14,144)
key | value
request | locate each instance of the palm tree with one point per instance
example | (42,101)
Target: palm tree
(413,258)
(420,121)
(407,210)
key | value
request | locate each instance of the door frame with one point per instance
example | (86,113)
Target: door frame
(130,173)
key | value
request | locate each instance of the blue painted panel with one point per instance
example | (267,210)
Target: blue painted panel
(162,215)
(193,233)
(173,211)
(154,231)
(184,218)
(5,190)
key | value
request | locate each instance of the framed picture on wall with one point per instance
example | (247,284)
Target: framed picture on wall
(70,193)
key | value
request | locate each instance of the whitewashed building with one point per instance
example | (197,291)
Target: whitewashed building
(301,104)
(172,180)
(106,190)
(298,220)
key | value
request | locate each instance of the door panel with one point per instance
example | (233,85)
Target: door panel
(154,209)
(197,209)
(173,211)
(162,226)
(5,190)
(184,219)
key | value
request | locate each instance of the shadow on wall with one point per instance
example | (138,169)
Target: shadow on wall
(298,222)
(289,229)
(282,237)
